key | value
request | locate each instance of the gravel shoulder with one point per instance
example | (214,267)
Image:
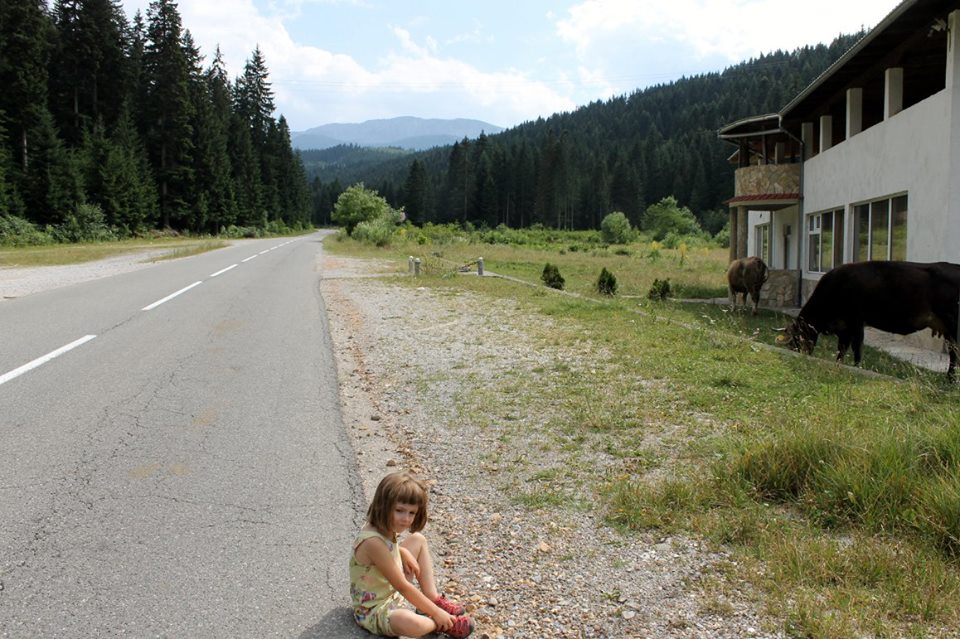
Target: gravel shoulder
(405,355)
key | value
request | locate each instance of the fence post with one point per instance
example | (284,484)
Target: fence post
(480,266)
(416,267)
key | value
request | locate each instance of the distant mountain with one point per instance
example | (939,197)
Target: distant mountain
(404,132)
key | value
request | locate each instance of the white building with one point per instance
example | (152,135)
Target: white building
(864,164)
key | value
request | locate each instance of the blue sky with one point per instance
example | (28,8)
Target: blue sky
(500,61)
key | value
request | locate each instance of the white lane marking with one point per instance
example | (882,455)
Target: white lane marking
(224,270)
(6,377)
(248,259)
(170,297)
(262,252)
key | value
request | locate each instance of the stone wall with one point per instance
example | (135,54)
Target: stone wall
(767,178)
(780,290)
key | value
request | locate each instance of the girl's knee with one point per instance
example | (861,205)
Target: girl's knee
(414,540)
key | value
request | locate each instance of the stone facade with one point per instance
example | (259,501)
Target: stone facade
(767,178)
(780,290)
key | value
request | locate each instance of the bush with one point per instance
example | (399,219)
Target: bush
(236,232)
(606,283)
(16,231)
(551,277)
(668,216)
(615,229)
(86,223)
(660,290)
(378,231)
(358,204)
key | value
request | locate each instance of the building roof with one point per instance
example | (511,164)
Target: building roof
(751,127)
(912,36)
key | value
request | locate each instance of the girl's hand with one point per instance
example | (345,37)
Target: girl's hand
(443,620)
(410,566)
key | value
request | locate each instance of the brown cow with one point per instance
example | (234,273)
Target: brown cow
(896,297)
(747,276)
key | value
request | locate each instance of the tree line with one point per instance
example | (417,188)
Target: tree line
(571,169)
(116,124)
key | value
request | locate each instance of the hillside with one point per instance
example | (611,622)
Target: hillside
(571,169)
(404,132)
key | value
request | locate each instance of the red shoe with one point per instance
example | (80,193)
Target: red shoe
(462,627)
(449,607)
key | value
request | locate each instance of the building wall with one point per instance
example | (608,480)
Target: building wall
(905,154)
(781,219)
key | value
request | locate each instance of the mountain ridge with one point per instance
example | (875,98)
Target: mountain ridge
(406,132)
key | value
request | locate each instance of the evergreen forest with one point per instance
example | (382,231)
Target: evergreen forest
(111,128)
(570,170)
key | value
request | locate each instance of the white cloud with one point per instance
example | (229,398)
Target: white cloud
(733,29)
(314,86)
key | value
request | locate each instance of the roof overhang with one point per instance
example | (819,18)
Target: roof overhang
(751,127)
(906,37)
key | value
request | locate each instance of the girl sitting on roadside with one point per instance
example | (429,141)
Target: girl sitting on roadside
(382,570)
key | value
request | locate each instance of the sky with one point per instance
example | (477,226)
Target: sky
(503,62)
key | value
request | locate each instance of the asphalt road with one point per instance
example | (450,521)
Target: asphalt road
(172,458)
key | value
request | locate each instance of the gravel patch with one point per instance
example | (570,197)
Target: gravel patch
(17,281)
(404,356)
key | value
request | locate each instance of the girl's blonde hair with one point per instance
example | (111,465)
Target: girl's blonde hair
(396,488)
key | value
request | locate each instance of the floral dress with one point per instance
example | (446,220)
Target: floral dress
(373,596)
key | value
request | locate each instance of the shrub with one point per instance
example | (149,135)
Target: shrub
(16,231)
(660,290)
(358,204)
(378,231)
(666,216)
(606,283)
(551,277)
(86,223)
(615,228)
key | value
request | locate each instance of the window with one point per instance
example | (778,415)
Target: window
(880,230)
(763,242)
(824,241)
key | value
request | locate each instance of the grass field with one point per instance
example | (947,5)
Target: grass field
(60,254)
(838,493)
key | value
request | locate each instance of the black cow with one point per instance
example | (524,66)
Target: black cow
(896,297)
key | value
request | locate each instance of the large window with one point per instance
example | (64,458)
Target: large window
(824,241)
(880,229)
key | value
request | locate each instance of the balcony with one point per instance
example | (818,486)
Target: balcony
(767,181)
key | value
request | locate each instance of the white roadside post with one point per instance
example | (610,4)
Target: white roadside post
(480,266)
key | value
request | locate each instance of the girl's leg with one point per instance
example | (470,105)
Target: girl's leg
(405,622)
(418,547)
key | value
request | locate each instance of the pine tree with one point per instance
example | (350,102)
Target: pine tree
(10,201)
(53,185)
(253,98)
(25,33)
(415,193)
(89,75)
(246,174)
(167,111)
(213,113)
